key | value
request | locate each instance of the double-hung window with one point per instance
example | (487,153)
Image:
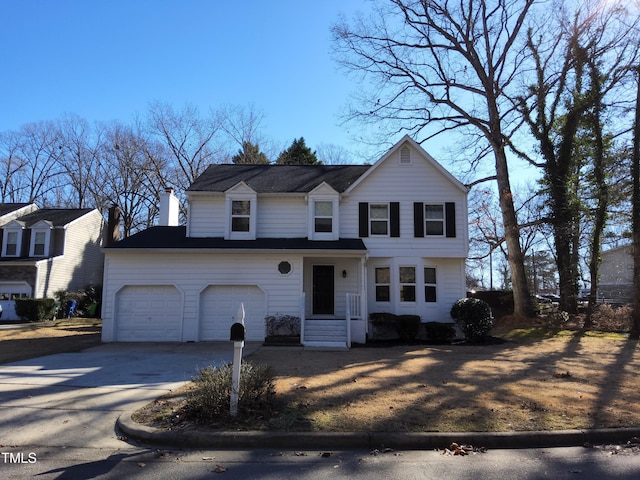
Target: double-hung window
(407,284)
(323,217)
(379,218)
(434,219)
(39,243)
(430,293)
(383,284)
(11,243)
(240,215)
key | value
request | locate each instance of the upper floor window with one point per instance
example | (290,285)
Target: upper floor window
(11,243)
(379,218)
(39,243)
(240,215)
(434,219)
(323,217)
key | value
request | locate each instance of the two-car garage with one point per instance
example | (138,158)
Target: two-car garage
(155,313)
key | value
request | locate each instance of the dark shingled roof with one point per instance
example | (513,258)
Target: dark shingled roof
(175,237)
(10,207)
(59,217)
(277,178)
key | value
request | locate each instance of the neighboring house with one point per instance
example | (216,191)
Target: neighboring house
(46,250)
(327,244)
(615,284)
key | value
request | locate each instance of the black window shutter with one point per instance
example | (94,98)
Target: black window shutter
(395,219)
(418,220)
(450,216)
(363,219)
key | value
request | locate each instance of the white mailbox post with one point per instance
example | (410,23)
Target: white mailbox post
(237,337)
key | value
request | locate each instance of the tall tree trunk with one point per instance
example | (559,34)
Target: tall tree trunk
(602,194)
(635,171)
(522,304)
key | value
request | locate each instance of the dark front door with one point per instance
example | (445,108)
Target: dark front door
(323,278)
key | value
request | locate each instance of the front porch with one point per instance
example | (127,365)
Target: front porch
(333,302)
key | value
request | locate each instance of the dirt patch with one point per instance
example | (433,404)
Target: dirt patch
(564,380)
(46,338)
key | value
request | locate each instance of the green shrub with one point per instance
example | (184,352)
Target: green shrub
(407,326)
(439,333)
(210,398)
(35,309)
(474,318)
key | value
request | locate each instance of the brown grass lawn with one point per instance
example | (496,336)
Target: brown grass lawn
(566,382)
(46,338)
(555,381)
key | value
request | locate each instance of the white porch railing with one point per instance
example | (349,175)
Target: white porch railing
(354,312)
(302,317)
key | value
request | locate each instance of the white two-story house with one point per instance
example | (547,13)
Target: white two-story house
(46,250)
(327,244)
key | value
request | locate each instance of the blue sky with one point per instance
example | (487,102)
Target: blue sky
(107,60)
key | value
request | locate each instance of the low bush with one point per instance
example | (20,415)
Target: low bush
(389,325)
(439,333)
(407,326)
(35,309)
(209,400)
(474,318)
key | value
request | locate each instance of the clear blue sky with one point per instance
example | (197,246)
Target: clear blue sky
(108,59)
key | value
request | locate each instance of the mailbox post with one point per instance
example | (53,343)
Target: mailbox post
(237,337)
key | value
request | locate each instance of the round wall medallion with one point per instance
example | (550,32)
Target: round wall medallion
(284,268)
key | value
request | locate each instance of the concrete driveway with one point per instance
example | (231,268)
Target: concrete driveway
(74,399)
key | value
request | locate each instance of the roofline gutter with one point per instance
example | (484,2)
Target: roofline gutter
(304,251)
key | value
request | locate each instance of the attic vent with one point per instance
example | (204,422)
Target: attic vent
(405,155)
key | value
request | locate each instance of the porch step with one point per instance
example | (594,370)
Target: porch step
(325,333)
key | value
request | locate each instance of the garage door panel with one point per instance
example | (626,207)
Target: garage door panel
(149,314)
(219,306)
(8,294)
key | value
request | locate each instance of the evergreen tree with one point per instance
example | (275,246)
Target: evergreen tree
(250,154)
(298,154)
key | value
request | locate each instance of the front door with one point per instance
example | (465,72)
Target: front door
(323,289)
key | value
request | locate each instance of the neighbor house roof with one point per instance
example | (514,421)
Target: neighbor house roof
(277,178)
(11,207)
(58,217)
(161,237)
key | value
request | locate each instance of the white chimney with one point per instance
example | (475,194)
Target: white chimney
(169,209)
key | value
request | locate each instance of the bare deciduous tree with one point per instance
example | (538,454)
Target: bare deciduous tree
(448,63)
(191,140)
(579,58)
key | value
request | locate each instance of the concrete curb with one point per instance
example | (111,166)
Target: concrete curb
(367,440)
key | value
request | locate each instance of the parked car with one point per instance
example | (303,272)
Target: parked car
(0,311)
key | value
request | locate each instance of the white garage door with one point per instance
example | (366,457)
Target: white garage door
(8,294)
(219,306)
(149,313)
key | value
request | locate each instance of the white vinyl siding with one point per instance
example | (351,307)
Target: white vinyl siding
(79,261)
(282,217)
(194,273)
(207,216)
(276,217)
(417,181)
